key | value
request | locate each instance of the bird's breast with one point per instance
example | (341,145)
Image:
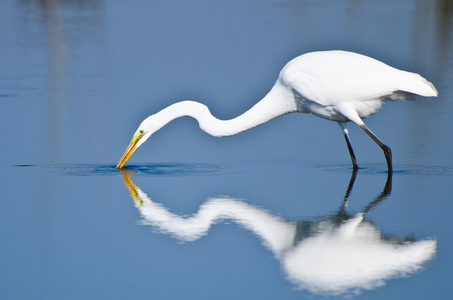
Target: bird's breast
(363,108)
(325,112)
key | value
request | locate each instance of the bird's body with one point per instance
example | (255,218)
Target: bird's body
(332,84)
(335,85)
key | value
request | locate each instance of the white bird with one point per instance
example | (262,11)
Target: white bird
(335,85)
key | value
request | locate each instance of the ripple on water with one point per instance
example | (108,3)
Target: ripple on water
(164,169)
(186,169)
(404,169)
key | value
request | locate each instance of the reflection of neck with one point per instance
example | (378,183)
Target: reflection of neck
(275,232)
(277,102)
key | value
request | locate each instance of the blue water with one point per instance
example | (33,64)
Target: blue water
(275,212)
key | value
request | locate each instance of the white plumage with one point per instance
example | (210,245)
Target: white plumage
(335,85)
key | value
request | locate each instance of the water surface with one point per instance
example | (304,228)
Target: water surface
(272,213)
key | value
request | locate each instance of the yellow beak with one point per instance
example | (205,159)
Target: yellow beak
(129,151)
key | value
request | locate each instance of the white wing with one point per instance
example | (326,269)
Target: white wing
(334,77)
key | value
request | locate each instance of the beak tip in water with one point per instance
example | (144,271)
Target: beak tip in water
(128,153)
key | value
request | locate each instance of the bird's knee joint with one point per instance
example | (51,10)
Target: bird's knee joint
(386,150)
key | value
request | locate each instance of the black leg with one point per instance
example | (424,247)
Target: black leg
(384,147)
(355,166)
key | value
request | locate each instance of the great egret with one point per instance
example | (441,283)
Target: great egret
(339,86)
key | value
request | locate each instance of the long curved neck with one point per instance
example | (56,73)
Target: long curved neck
(277,102)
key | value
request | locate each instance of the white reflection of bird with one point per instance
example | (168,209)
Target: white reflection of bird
(335,85)
(334,255)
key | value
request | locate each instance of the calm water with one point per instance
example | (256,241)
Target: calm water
(272,213)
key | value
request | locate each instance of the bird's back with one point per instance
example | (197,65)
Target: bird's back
(332,77)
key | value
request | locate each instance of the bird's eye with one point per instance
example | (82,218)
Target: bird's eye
(141,132)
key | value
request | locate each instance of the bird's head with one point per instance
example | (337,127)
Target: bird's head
(144,131)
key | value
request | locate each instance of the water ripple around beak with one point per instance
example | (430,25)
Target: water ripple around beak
(161,169)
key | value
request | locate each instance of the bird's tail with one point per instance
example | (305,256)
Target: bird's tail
(416,84)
